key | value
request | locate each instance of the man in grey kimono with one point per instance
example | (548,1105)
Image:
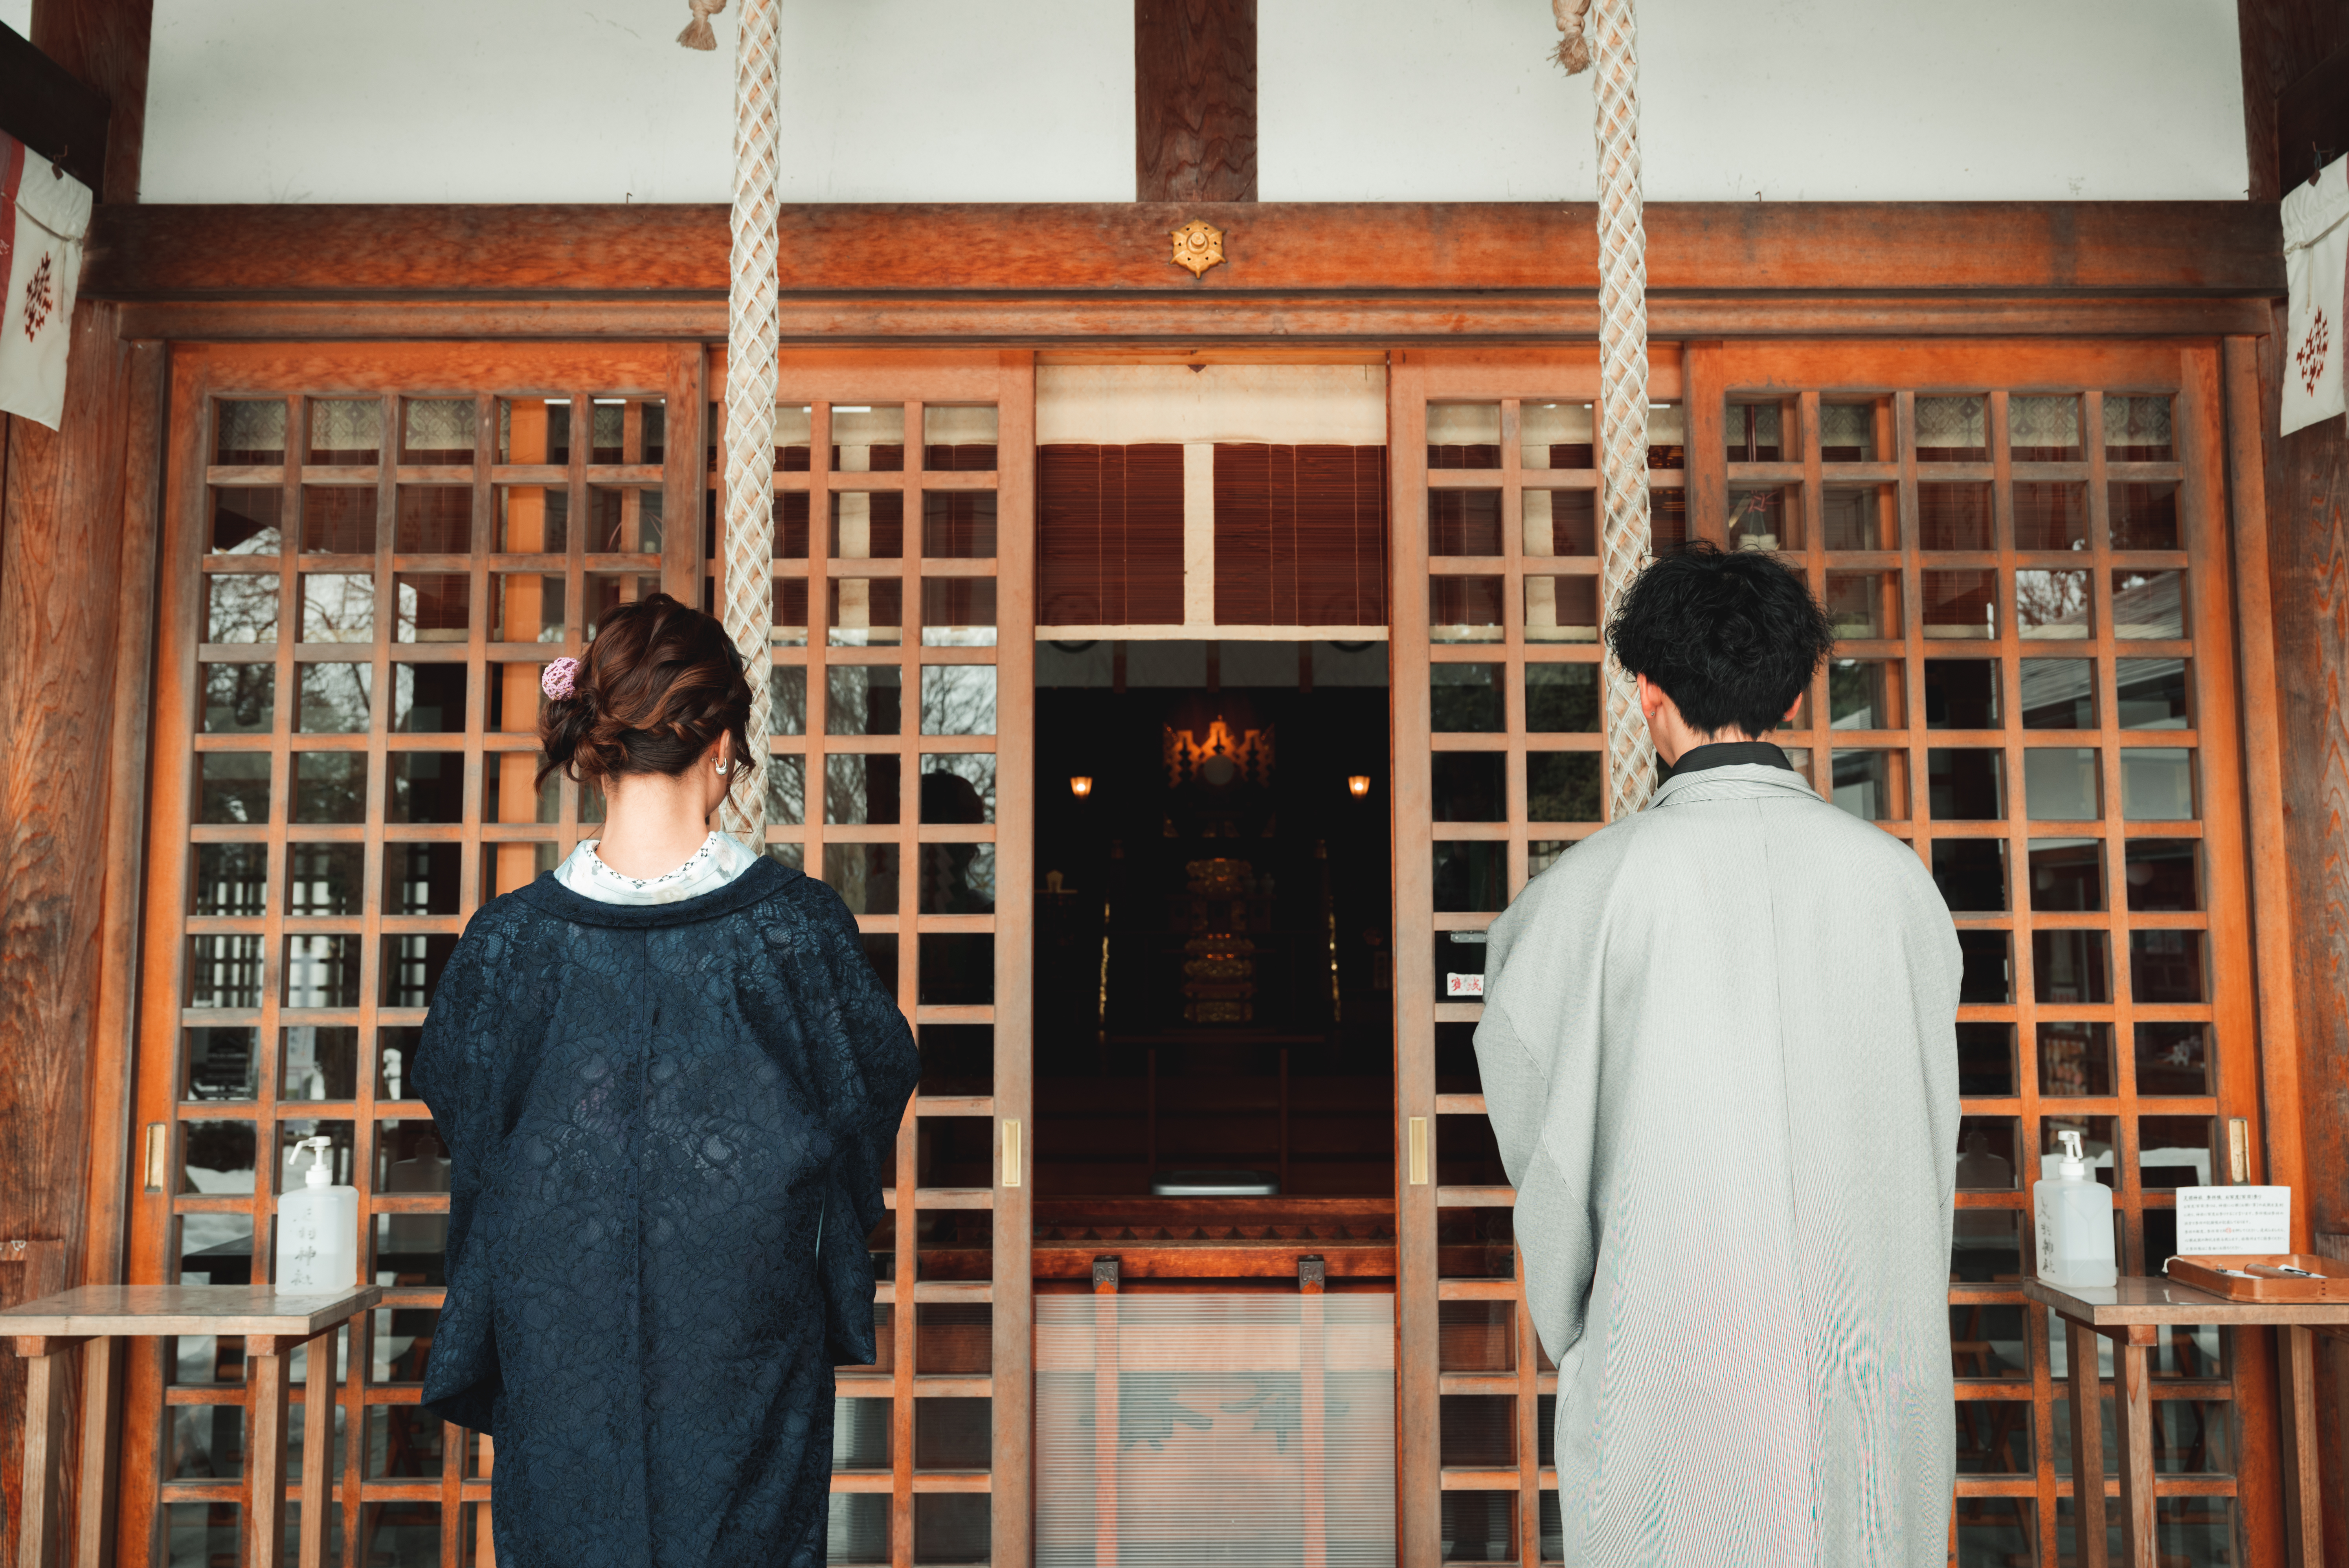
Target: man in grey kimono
(1719,1051)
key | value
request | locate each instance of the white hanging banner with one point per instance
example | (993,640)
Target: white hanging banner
(44,215)
(2315,264)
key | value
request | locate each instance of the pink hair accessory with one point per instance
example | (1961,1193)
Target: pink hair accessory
(558,681)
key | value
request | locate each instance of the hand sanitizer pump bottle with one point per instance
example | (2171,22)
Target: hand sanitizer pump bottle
(318,1228)
(2075,1222)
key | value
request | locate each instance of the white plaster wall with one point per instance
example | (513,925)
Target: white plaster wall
(18,14)
(558,100)
(1784,100)
(554,100)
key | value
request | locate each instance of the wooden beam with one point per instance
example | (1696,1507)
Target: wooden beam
(43,106)
(1763,252)
(104,44)
(2312,119)
(1194,101)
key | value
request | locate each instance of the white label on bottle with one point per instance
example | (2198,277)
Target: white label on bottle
(2234,1219)
(1463,985)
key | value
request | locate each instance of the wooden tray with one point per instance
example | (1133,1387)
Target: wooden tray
(2202,1272)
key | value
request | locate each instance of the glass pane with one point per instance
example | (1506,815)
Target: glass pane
(420,879)
(512,792)
(321,971)
(527,608)
(1471,877)
(1993,1436)
(1753,429)
(1475,1336)
(434,607)
(1467,786)
(1479,1526)
(232,786)
(1970,873)
(1563,785)
(2149,605)
(1854,433)
(241,607)
(856,1523)
(1965,785)
(224,971)
(221,1064)
(867,612)
(2156,784)
(1463,523)
(1954,517)
(1466,699)
(787,699)
(1863,603)
(437,430)
(868,525)
(2166,966)
(1952,430)
(1560,609)
(2173,1058)
(2159,874)
(346,433)
(868,437)
(1560,698)
(956,969)
(2075,1060)
(957,787)
(1987,1153)
(2067,875)
(790,518)
(788,628)
(411,968)
(1561,522)
(2042,430)
(249,433)
(245,521)
(623,519)
(1961,694)
(859,791)
(507,866)
(2152,693)
(2050,516)
(864,875)
(1961,603)
(957,699)
(960,525)
(2137,428)
(1667,437)
(426,698)
(2144,516)
(2174,1151)
(338,607)
(2071,966)
(958,612)
(2060,784)
(864,699)
(238,699)
(1463,436)
(2059,694)
(230,879)
(959,438)
(795,437)
(956,879)
(533,520)
(607,591)
(426,787)
(329,787)
(784,781)
(1859,517)
(1986,1058)
(1468,609)
(1477,1431)
(1990,1340)
(1766,519)
(534,430)
(1872,785)
(1555,435)
(324,879)
(321,1061)
(433,520)
(1988,975)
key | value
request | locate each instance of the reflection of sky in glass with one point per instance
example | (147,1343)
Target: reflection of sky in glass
(957,699)
(241,607)
(335,698)
(337,607)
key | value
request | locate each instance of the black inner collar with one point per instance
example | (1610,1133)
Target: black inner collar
(1730,753)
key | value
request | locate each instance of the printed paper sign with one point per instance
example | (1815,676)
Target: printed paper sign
(2223,1220)
(1463,985)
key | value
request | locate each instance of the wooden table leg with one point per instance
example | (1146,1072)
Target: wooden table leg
(2087,1447)
(317,1446)
(265,1408)
(2133,1414)
(99,1429)
(40,1531)
(2303,1518)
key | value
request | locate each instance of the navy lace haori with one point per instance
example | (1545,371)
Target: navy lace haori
(665,1126)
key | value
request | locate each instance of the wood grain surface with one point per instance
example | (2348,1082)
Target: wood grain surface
(104,43)
(2068,248)
(1194,101)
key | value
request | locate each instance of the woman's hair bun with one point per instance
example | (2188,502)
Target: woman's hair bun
(656,690)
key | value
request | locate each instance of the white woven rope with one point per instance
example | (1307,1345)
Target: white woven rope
(1602,34)
(753,308)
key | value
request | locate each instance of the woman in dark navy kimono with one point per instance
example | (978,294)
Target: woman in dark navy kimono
(665,1076)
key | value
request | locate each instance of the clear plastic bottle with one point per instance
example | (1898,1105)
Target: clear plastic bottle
(317,1229)
(2074,1219)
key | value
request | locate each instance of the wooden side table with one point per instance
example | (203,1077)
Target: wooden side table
(2128,1313)
(272,1324)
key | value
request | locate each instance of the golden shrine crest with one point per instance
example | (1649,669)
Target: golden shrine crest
(1198,245)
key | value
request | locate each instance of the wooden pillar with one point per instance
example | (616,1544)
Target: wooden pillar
(2304,479)
(1194,101)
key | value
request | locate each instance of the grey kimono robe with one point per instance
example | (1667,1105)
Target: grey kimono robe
(1720,1056)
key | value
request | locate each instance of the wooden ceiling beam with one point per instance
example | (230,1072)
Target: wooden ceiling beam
(1119,249)
(105,43)
(46,108)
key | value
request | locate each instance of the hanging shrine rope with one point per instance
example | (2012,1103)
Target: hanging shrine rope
(753,308)
(1601,33)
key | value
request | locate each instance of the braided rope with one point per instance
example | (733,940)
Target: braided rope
(753,311)
(1603,32)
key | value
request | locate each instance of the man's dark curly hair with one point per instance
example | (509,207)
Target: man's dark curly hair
(1732,638)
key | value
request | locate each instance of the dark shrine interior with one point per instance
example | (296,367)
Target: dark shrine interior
(1213,984)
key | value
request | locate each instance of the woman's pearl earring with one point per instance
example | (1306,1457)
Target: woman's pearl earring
(721,767)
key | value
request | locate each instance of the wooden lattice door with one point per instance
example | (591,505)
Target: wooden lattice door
(2025,551)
